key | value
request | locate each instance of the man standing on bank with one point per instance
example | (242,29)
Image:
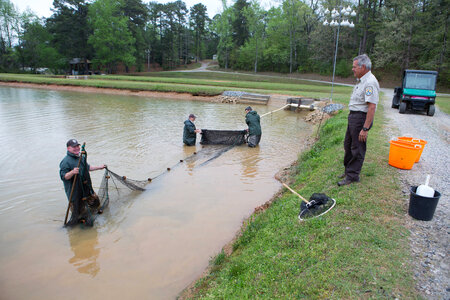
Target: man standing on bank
(254,127)
(362,106)
(189,131)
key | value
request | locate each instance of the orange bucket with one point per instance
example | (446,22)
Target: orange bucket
(403,155)
(414,141)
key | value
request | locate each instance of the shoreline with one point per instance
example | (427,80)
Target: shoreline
(112,91)
(276,100)
(282,175)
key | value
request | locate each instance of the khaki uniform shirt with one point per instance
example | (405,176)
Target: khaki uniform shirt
(366,90)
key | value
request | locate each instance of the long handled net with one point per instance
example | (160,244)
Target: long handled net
(318,205)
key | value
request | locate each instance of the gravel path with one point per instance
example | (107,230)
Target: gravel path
(429,240)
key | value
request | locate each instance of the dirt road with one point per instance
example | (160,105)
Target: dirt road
(429,240)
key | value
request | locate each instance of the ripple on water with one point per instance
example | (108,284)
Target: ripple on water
(182,219)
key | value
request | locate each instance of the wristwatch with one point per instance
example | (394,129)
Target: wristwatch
(366,129)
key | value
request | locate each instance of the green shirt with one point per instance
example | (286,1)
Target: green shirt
(69,162)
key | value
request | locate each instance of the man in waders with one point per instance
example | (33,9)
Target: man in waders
(68,168)
(362,106)
(189,131)
(254,127)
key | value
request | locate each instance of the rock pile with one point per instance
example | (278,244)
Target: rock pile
(228,99)
(317,115)
(231,96)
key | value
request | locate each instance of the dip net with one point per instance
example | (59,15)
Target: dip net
(113,187)
(319,204)
(223,137)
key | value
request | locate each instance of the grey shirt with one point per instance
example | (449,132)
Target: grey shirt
(366,90)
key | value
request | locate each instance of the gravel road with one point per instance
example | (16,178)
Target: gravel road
(429,240)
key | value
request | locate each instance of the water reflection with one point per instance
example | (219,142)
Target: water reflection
(250,163)
(84,245)
(189,158)
(184,217)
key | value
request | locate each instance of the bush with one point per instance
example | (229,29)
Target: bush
(343,68)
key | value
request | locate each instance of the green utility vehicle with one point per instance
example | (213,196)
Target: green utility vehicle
(418,91)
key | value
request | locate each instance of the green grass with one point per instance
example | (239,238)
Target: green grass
(241,83)
(358,250)
(443,102)
(230,76)
(197,83)
(115,84)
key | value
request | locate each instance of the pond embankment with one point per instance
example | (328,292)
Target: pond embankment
(358,250)
(112,91)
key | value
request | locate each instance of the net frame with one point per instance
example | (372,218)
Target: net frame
(315,208)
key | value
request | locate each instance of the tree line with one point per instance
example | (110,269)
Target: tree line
(289,37)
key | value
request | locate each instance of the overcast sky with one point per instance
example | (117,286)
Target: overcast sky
(42,7)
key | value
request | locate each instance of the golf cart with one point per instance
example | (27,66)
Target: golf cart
(418,91)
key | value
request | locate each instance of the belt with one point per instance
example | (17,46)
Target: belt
(352,112)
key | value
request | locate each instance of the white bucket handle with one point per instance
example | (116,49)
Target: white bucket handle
(418,146)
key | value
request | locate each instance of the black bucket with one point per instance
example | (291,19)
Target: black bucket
(422,208)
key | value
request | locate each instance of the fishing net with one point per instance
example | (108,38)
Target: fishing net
(319,204)
(223,137)
(86,205)
(113,187)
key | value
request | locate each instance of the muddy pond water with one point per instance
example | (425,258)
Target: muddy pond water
(152,244)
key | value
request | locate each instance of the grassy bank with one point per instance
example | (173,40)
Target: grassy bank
(358,250)
(114,84)
(443,102)
(200,83)
(243,82)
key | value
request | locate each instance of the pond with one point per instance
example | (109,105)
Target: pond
(154,243)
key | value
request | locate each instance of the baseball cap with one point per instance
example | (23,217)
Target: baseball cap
(72,143)
(248,108)
(192,116)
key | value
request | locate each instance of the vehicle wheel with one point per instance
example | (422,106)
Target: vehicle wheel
(402,109)
(395,102)
(431,110)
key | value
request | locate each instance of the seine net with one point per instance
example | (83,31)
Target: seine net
(113,187)
(318,205)
(223,137)
(86,205)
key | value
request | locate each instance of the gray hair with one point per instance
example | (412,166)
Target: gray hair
(364,60)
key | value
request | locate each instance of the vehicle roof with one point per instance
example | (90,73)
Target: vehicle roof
(421,71)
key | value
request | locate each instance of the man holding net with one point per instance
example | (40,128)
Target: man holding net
(254,127)
(74,172)
(189,131)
